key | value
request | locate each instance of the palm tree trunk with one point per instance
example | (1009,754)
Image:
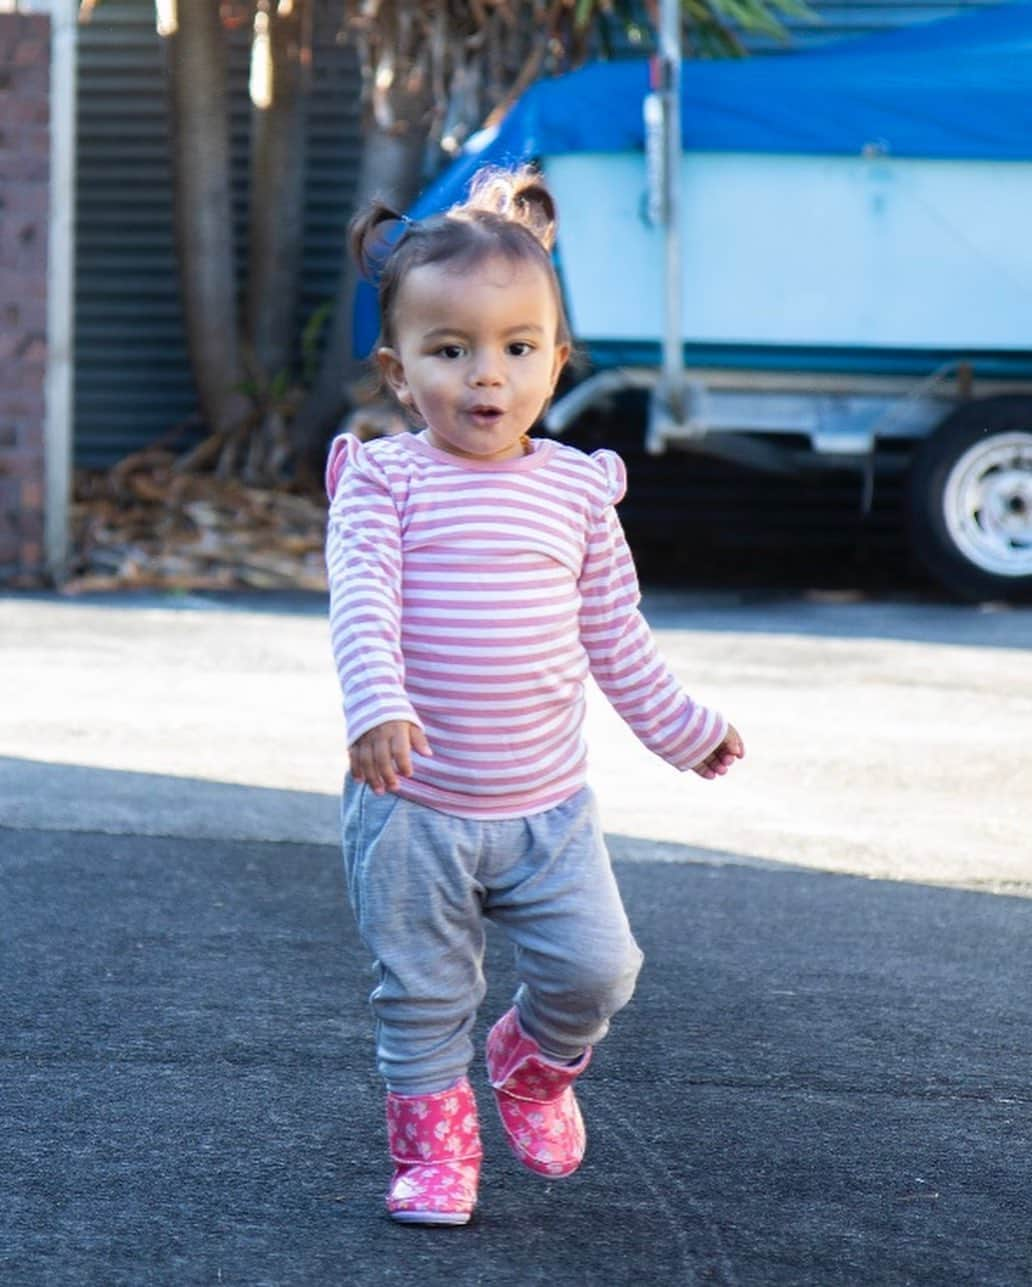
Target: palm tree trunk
(202,215)
(391,168)
(278,138)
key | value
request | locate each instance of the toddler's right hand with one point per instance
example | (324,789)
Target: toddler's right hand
(381,753)
(719,760)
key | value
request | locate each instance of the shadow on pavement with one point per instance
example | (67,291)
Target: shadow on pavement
(821,1080)
(79,797)
(38,795)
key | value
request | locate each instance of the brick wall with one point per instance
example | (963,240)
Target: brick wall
(24,203)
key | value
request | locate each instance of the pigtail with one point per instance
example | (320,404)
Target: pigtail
(517,195)
(372,234)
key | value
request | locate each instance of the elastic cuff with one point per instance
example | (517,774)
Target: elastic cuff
(559,1052)
(417,1087)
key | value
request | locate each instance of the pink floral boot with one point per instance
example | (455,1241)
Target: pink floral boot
(435,1144)
(539,1110)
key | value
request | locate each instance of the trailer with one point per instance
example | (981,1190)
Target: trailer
(847,273)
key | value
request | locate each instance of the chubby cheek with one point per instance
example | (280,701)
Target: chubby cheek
(537,387)
(442,386)
(429,399)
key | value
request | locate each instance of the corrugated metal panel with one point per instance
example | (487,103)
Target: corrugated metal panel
(132,376)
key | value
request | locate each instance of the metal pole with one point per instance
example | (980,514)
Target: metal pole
(670,66)
(59,415)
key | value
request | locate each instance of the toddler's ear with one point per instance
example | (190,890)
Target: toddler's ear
(394,374)
(562,355)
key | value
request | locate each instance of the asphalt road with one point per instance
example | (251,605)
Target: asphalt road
(823,1078)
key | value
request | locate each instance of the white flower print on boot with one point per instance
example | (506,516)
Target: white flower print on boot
(435,1145)
(535,1098)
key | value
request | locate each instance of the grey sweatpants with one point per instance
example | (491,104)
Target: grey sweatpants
(421,884)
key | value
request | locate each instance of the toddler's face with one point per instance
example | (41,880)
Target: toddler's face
(476,354)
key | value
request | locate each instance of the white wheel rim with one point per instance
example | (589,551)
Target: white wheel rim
(987,504)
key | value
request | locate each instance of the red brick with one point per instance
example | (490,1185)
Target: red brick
(27,166)
(16,376)
(21,377)
(21,466)
(27,110)
(34,135)
(19,411)
(22,406)
(24,216)
(32,523)
(29,434)
(30,53)
(32,313)
(23,167)
(32,349)
(17,289)
(19,400)
(23,261)
(31,79)
(16,28)
(27,202)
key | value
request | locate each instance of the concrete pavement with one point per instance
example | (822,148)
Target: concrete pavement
(884,739)
(822,1079)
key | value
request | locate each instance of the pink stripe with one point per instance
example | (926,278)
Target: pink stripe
(434,773)
(473,660)
(466,609)
(461,741)
(501,645)
(500,708)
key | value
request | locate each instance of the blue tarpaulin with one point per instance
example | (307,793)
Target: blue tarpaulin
(960,88)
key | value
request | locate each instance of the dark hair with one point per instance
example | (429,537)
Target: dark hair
(507,212)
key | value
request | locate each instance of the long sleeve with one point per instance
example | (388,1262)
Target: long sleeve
(622,653)
(364,565)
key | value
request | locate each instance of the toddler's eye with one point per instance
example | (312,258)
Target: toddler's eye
(520,348)
(451,351)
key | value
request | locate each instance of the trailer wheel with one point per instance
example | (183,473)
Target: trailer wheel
(969,500)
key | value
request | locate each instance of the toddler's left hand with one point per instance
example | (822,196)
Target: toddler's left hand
(384,752)
(719,760)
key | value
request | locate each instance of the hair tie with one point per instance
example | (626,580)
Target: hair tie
(384,240)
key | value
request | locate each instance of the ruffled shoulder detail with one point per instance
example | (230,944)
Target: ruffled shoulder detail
(614,473)
(344,447)
(348,452)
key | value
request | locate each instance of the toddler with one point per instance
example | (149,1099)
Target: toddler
(476,577)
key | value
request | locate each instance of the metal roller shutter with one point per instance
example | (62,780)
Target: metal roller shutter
(132,377)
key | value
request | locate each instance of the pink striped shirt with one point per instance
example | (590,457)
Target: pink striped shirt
(472,598)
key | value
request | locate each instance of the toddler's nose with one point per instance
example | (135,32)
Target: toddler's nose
(487,371)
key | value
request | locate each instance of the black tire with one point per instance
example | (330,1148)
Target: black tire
(969,500)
